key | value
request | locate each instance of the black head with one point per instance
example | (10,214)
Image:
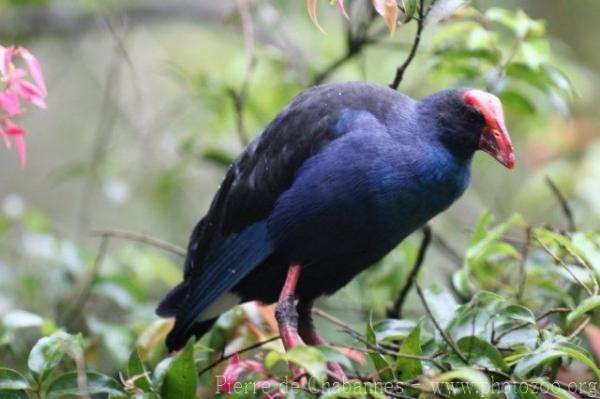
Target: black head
(467,120)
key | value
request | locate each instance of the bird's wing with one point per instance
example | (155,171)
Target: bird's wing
(232,239)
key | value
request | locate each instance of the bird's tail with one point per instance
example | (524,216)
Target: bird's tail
(198,329)
(229,260)
(171,304)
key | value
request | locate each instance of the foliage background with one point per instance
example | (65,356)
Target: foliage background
(141,124)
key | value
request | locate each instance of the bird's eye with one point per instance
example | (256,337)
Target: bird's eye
(473,115)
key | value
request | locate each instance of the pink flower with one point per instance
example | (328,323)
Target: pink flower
(13,88)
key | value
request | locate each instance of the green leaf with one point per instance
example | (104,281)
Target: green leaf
(482,227)
(559,79)
(531,362)
(517,102)
(461,282)
(335,355)
(552,388)
(160,371)
(180,378)
(49,351)
(12,380)
(393,329)
(577,353)
(137,371)
(310,359)
(21,319)
(407,368)
(481,352)
(585,306)
(9,394)
(353,389)
(382,366)
(473,377)
(272,359)
(493,235)
(535,52)
(517,312)
(68,384)
(518,22)
(409,7)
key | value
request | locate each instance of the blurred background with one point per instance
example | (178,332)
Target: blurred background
(142,124)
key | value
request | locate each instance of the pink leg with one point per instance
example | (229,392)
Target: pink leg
(311,337)
(286,313)
(287,318)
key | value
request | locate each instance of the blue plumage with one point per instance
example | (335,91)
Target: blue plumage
(334,183)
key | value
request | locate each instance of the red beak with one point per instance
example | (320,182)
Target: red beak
(494,138)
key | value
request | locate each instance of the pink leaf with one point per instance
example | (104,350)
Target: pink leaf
(9,102)
(340,6)
(13,129)
(4,137)
(21,149)
(378,5)
(7,55)
(311,6)
(3,50)
(30,92)
(34,69)
(253,366)
(231,374)
(390,15)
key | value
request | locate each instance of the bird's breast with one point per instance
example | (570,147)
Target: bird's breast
(409,192)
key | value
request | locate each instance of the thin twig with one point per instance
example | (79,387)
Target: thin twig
(565,266)
(239,96)
(443,333)
(141,237)
(82,381)
(77,305)
(437,239)
(107,118)
(497,339)
(523,263)
(396,309)
(227,357)
(586,265)
(564,204)
(356,42)
(413,50)
(580,327)
(324,315)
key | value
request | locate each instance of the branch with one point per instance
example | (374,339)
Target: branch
(239,96)
(443,333)
(102,135)
(227,357)
(566,208)
(334,320)
(562,263)
(413,50)
(523,263)
(437,239)
(141,237)
(355,44)
(396,309)
(496,340)
(77,305)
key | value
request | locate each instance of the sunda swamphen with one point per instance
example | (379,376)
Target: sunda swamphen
(341,176)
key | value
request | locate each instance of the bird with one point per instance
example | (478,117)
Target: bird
(334,182)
